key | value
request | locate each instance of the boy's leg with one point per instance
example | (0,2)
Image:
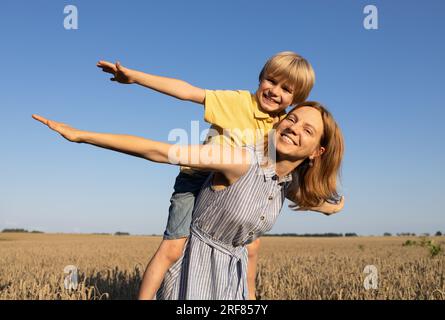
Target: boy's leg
(187,187)
(171,247)
(167,254)
(252,253)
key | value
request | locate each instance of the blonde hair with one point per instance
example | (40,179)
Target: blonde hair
(317,183)
(293,67)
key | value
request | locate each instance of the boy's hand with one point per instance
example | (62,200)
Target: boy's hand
(173,87)
(120,73)
(65,130)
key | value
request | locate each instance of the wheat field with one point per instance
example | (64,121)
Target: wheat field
(111,267)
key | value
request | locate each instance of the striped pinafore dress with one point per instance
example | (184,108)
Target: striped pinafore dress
(214,263)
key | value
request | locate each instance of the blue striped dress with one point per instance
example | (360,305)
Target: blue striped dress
(214,263)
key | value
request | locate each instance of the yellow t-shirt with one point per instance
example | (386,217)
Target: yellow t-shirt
(236,118)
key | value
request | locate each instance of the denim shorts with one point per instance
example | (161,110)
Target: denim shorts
(182,202)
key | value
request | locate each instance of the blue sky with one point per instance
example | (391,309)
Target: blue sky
(385,87)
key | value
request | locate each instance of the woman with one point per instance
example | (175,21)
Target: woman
(242,198)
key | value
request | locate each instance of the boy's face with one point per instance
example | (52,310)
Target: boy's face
(274,95)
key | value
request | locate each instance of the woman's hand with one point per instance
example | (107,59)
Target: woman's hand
(69,133)
(120,73)
(328,208)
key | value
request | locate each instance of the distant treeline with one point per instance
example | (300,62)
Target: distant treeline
(350,234)
(409,234)
(330,235)
(119,233)
(20,231)
(320,235)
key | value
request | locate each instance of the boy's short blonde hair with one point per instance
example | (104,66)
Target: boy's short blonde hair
(293,67)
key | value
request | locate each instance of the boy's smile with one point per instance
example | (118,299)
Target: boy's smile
(274,95)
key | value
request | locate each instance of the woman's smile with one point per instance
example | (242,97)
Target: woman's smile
(284,137)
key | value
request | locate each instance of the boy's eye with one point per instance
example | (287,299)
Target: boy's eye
(271,80)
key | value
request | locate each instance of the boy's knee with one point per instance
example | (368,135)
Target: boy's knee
(172,249)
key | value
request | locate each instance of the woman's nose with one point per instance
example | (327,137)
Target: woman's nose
(295,128)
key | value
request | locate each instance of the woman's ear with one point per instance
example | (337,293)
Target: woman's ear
(317,153)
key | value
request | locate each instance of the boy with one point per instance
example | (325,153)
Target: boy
(286,79)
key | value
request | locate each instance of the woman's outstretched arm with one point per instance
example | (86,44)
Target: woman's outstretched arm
(232,162)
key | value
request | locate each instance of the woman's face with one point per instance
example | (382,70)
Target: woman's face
(298,135)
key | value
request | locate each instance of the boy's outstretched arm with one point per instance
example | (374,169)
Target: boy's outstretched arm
(173,87)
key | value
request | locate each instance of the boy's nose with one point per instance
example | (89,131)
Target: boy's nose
(274,90)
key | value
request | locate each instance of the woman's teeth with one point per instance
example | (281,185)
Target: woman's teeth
(287,139)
